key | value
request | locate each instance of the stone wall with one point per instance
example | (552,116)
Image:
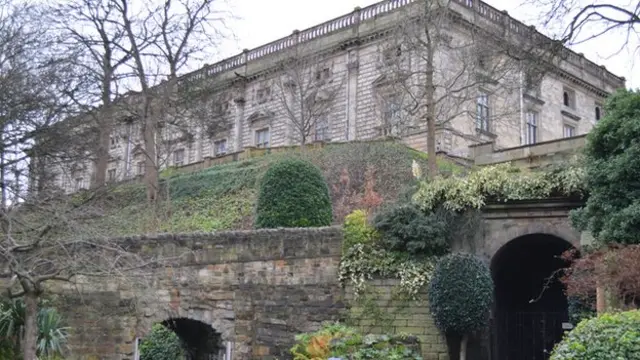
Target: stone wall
(257,289)
(380,310)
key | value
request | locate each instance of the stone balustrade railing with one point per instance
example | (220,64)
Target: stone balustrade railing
(359,15)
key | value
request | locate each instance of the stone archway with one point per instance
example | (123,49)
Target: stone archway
(201,341)
(530,305)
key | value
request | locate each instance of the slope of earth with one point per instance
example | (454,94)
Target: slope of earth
(222,197)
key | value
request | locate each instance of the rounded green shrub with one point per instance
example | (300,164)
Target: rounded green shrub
(161,344)
(406,228)
(460,293)
(293,193)
(608,336)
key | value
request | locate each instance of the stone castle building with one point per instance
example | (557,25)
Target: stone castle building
(495,80)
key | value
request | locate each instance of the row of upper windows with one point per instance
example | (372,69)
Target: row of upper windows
(532,128)
(569,100)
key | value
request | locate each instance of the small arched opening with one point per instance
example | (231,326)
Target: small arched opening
(530,304)
(200,340)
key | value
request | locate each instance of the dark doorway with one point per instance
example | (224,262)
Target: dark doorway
(530,304)
(201,341)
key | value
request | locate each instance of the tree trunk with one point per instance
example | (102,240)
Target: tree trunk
(30,337)
(463,347)
(151,168)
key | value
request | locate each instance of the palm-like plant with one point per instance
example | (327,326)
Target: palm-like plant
(52,336)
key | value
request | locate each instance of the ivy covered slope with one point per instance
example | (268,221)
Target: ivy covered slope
(224,196)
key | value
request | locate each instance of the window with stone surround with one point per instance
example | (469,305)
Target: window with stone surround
(569,98)
(321,131)
(111,175)
(178,157)
(392,117)
(533,84)
(482,112)
(262,138)
(263,94)
(79,184)
(598,112)
(531,132)
(220,147)
(568,131)
(114,140)
(322,75)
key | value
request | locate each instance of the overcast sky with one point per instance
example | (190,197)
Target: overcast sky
(262,21)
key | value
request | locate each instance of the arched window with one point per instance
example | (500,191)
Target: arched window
(597,113)
(565,98)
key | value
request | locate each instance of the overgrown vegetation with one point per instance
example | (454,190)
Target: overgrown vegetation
(359,176)
(339,341)
(161,344)
(293,193)
(608,336)
(52,334)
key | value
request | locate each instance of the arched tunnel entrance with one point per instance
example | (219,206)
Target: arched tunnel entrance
(200,340)
(530,304)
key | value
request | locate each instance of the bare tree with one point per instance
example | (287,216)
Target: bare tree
(305,90)
(435,72)
(581,21)
(175,33)
(87,28)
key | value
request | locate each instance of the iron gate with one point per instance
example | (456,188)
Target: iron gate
(526,335)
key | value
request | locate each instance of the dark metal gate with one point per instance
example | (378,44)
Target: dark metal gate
(526,335)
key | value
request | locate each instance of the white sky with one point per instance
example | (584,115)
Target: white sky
(262,21)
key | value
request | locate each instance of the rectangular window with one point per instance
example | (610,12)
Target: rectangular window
(141,167)
(531,135)
(392,118)
(569,98)
(220,147)
(111,175)
(482,112)
(598,112)
(114,141)
(323,74)
(262,95)
(79,185)
(322,129)
(178,157)
(568,131)
(262,138)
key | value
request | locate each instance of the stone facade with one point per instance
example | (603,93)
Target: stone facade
(349,51)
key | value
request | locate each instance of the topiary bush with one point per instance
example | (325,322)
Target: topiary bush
(293,193)
(161,344)
(608,336)
(407,228)
(460,293)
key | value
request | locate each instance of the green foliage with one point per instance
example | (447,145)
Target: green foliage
(608,336)
(580,310)
(357,229)
(362,262)
(336,340)
(502,182)
(612,167)
(293,193)
(405,228)
(460,294)
(161,344)
(52,335)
